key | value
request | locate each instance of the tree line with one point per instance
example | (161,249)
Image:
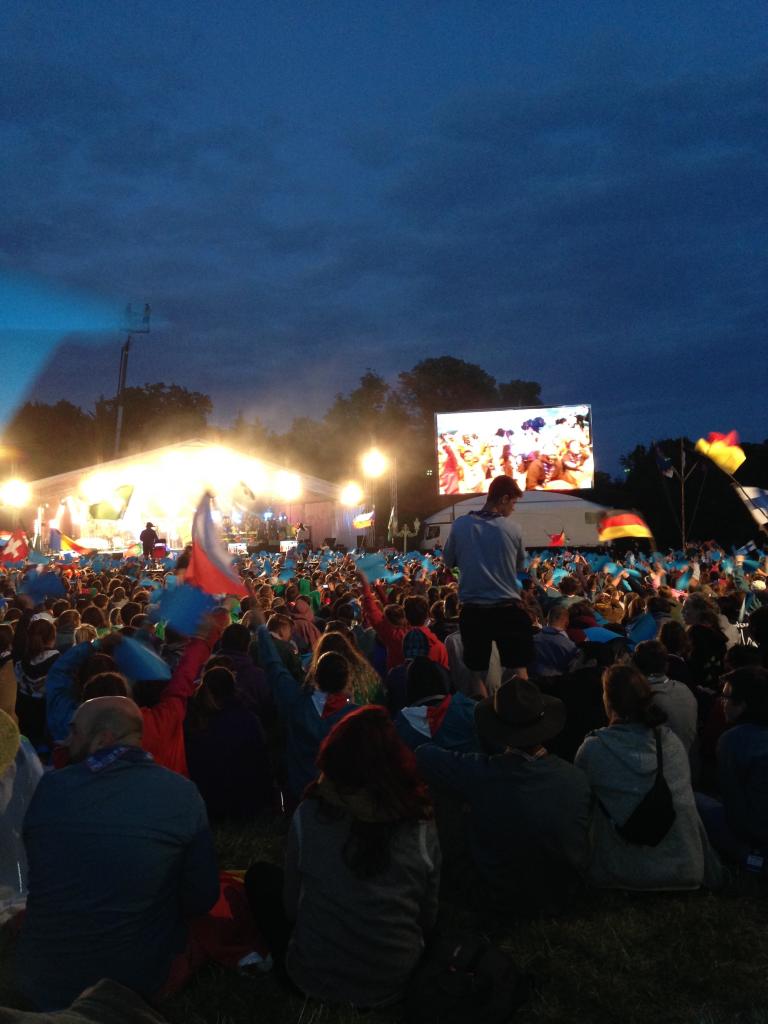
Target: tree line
(46,439)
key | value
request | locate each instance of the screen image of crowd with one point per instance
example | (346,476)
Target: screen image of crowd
(333,691)
(541,449)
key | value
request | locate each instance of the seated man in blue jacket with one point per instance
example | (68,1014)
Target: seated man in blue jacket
(434,715)
(307,712)
(120,859)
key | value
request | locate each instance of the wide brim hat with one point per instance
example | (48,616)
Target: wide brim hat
(10,739)
(519,715)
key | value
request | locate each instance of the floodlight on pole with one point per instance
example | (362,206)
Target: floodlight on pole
(15,493)
(374,463)
(351,494)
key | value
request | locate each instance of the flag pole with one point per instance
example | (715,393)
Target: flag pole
(683,480)
(749,503)
(662,472)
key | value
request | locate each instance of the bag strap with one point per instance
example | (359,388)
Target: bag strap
(659,774)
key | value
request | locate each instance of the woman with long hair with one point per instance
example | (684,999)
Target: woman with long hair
(623,762)
(31,671)
(361,872)
(227,754)
(366,682)
(675,638)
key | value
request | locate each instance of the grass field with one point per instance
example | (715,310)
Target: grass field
(693,959)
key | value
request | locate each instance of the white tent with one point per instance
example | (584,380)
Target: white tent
(164,486)
(539,513)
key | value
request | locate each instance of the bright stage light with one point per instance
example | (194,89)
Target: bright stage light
(15,493)
(374,463)
(287,486)
(351,494)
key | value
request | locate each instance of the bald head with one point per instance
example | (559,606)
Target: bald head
(105,722)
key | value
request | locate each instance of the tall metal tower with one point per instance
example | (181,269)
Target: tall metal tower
(135,323)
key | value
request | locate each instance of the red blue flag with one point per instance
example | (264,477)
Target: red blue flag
(210,565)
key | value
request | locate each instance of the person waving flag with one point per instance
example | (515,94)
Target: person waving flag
(210,565)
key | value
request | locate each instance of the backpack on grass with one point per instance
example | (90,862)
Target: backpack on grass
(465,978)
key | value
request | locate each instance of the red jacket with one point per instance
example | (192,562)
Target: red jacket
(164,723)
(392,636)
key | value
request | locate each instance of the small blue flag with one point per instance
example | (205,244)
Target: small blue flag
(41,586)
(138,662)
(183,607)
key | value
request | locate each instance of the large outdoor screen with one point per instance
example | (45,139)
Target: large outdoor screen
(543,449)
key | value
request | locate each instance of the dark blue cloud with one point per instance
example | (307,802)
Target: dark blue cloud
(576,200)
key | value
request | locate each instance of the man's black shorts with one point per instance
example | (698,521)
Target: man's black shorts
(509,625)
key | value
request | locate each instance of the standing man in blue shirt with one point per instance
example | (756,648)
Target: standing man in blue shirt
(487,547)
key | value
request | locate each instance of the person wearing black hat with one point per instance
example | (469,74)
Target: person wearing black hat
(529,810)
(148,539)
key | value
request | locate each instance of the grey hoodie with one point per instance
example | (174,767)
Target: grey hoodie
(620,762)
(679,705)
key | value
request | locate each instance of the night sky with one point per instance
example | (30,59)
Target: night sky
(568,192)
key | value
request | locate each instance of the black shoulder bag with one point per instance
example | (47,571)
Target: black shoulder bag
(654,815)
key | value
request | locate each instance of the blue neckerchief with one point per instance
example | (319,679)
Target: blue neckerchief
(102,759)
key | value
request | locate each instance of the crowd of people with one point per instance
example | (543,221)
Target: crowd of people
(501,730)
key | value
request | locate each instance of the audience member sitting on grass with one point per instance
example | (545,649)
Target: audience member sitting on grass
(305,632)
(529,810)
(227,753)
(163,703)
(433,714)
(362,866)
(120,857)
(366,684)
(20,772)
(738,825)
(250,682)
(281,630)
(307,712)
(674,698)
(415,647)
(620,762)
(554,651)
(34,645)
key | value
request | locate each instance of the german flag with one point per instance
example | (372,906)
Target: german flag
(617,524)
(723,449)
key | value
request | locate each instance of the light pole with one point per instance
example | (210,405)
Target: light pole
(405,533)
(374,464)
(141,328)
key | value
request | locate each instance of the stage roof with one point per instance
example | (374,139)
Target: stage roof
(209,465)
